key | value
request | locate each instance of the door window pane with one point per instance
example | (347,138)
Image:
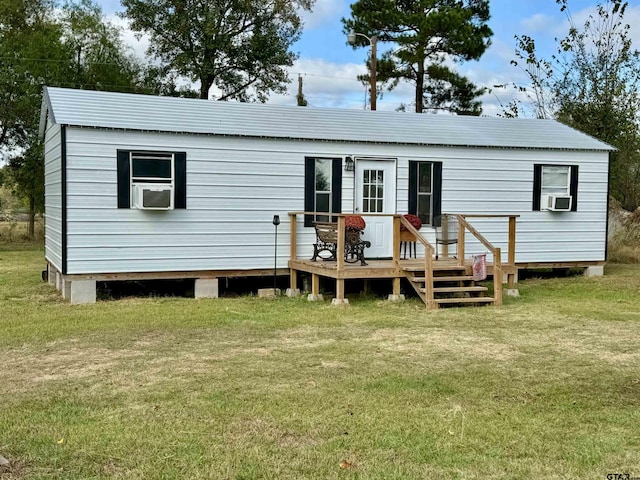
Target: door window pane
(372,191)
(323,175)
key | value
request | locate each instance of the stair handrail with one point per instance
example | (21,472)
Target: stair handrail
(495,251)
(428,261)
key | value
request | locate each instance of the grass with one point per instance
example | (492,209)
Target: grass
(546,386)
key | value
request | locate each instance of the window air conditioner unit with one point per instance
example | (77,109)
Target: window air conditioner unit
(559,203)
(153,196)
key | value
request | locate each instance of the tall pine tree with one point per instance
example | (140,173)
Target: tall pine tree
(427,37)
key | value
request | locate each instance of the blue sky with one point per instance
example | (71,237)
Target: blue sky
(329,66)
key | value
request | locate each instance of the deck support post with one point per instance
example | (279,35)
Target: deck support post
(340,246)
(429,299)
(444,227)
(292,236)
(497,278)
(511,259)
(461,235)
(339,299)
(396,238)
(396,296)
(511,252)
(315,296)
(293,290)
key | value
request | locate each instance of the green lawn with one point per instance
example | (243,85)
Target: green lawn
(546,386)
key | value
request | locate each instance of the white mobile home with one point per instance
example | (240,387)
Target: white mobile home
(155,187)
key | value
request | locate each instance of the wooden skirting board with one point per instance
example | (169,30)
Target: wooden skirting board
(374,269)
(106,277)
(534,265)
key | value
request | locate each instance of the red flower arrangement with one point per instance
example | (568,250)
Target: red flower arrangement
(354,223)
(414,220)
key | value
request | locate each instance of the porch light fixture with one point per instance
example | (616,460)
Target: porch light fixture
(349,164)
(373,41)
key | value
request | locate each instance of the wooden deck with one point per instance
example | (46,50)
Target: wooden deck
(429,277)
(381,268)
(375,268)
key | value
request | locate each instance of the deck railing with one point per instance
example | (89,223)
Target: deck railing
(496,252)
(429,252)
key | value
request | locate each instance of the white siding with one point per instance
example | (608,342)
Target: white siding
(235,186)
(500,181)
(53,196)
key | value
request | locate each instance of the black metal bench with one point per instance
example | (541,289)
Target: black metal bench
(327,243)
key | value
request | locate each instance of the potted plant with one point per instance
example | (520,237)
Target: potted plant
(354,223)
(406,235)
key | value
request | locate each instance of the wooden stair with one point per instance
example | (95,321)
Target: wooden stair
(451,286)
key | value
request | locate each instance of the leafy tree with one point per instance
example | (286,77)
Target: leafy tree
(31,53)
(427,37)
(99,58)
(38,47)
(26,172)
(593,84)
(234,45)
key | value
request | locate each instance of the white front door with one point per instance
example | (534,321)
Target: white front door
(376,193)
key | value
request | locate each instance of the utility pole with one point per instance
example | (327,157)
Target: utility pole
(302,102)
(373,41)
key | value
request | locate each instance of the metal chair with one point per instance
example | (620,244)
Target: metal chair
(447,231)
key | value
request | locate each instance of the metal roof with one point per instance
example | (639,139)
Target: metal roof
(87,108)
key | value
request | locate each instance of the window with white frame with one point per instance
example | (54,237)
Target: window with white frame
(152,179)
(555,187)
(323,188)
(322,182)
(555,180)
(425,191)
(151,167)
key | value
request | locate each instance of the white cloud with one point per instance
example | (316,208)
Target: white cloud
(536,23)
(323,13)
(138,46)
(332,85)
(325,84)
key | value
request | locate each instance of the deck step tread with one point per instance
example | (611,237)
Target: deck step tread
(441,301)
(459,289)
(418,268)
(454,278)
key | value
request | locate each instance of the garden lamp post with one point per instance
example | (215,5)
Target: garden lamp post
(276,222)
(373,41)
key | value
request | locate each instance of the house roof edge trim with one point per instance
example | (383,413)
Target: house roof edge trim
(125,111)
